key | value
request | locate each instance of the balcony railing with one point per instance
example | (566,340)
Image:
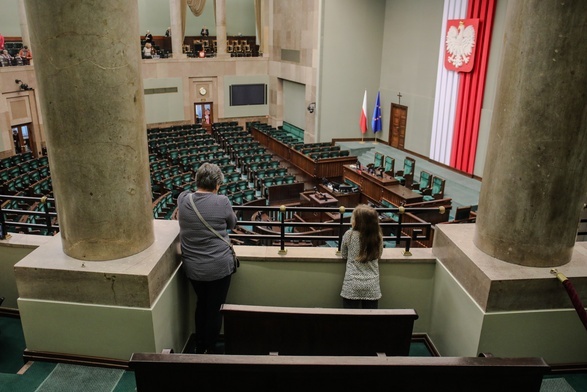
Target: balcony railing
(265,225)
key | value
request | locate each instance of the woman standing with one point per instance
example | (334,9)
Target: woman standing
(208,259)
(362,246)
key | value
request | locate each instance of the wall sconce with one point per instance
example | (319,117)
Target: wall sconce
(312,107)
(23,86)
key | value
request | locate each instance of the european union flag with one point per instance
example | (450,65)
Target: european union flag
(376,120)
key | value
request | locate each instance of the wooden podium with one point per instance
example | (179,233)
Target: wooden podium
(317,199)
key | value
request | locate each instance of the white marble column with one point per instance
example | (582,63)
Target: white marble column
(24,26)
(176,29)
(90,87)
(221,28)
(535,179)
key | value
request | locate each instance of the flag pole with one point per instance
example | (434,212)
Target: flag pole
(376,119)
(363,119)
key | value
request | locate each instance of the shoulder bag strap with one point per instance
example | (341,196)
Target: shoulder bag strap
(212,229)
(206,223)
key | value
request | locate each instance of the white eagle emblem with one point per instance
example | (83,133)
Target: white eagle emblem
(459,44)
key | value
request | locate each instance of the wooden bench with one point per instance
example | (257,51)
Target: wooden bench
(204,372)
(261,330)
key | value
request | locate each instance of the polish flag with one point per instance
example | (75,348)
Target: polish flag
(363,121)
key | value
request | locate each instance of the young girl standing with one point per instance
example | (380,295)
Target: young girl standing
(362,246)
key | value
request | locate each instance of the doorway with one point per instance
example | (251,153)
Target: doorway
(22,137)
(204,114)
(397,125)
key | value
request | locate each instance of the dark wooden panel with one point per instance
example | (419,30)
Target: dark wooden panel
(316,331)
(186,372)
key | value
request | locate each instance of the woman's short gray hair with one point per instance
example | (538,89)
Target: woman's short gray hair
(209,176)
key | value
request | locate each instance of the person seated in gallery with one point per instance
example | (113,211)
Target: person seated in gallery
(6,58)
(26,55)
(148,51)
(204,31)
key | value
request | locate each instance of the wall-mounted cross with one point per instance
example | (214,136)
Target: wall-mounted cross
(399,96)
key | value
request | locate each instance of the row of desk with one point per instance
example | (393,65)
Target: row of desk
(376,188)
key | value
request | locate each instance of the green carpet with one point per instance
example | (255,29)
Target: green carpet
(556,385)
(66,378)
(27,382)
(578,381)
(11,345)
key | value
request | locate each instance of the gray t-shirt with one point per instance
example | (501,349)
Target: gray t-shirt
(205,256)
(361,280)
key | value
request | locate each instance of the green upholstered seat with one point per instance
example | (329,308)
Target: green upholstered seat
(389,165)
(406,175)
(436,191)
(249,194)
(424,183)
(378,160)
(391,215)
(237,198)
(235,176)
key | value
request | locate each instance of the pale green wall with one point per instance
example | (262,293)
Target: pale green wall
(556,335)
(84,329)
(459,327)
(172,318)
(410,58)
(10,256)
(240,17)
(154,15)
(456,318)
(9,18)
(352,38)
(318,284)
(165,107)
(111,331)
(294,108)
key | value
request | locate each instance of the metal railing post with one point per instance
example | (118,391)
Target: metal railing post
(398,233)
(3,232)
(47,216)
(341,211)
(282,250)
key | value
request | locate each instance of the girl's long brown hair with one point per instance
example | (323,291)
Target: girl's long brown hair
(366,222)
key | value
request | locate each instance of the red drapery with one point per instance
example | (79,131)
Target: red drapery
(471,90)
